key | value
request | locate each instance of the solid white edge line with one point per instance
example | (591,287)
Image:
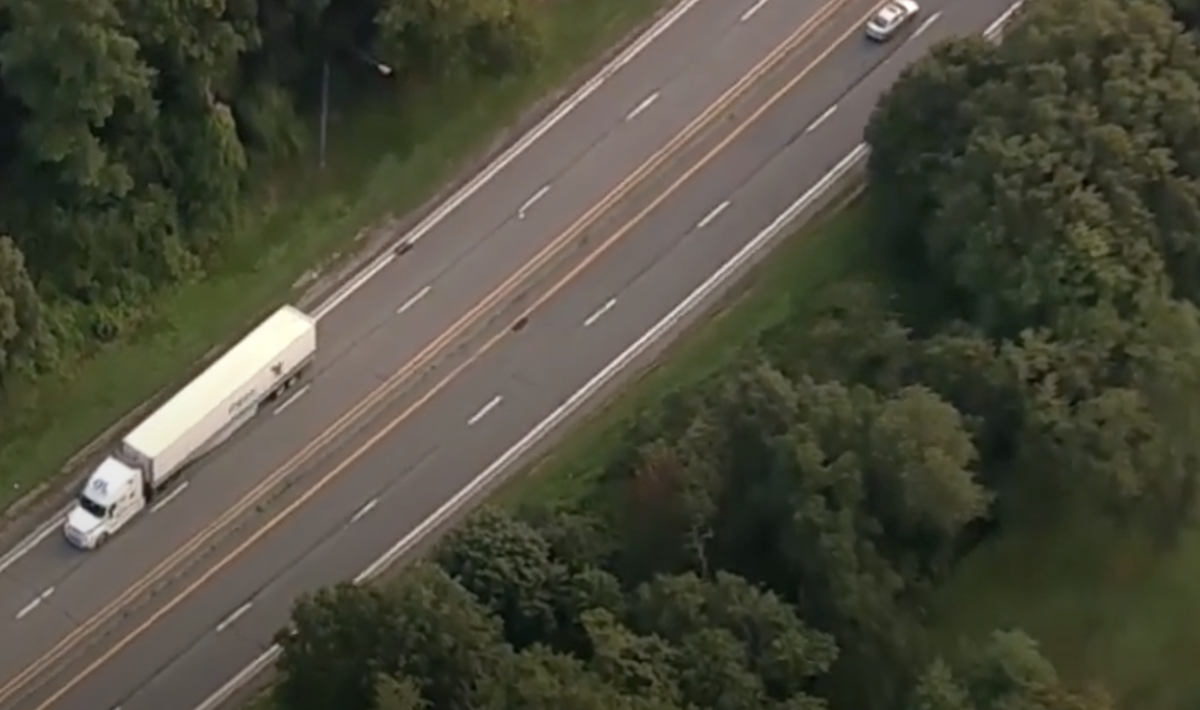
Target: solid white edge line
(514,151)
(34,539)
(269,656)
(464,193)
(348,289)
(993,30)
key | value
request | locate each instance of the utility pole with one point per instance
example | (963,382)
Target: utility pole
(324,129)
(323,139)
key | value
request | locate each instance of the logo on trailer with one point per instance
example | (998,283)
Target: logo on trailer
(100,486)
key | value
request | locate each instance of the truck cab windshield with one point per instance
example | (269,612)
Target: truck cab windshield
(92,506)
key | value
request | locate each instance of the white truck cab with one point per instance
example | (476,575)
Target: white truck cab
(113,494)
(205,412)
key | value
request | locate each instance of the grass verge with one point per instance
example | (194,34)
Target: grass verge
(387,158)
(262,701)
(1106,606)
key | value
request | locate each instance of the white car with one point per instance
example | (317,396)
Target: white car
(890,18)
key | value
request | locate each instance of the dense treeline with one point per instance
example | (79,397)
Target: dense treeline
(774,538)
(131,130)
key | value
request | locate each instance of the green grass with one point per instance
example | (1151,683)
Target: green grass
(829,248)
(262,701)
(1105,604)
(385,159)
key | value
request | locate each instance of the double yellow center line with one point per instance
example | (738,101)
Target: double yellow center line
(475,315)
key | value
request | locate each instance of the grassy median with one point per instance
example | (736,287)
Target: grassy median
(384,159)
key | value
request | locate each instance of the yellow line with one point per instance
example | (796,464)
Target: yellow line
(359,452)
(188,549)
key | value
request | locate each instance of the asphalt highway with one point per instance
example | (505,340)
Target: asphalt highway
(469,256)
(365,340)
(179,637)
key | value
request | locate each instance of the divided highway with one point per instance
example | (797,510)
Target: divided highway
(449,354)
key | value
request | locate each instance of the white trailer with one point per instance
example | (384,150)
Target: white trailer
(267,362)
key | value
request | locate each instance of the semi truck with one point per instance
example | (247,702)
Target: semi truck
(263,365)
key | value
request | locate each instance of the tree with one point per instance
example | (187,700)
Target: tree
(1056,194)
(1008,671)
(920,458)
(20,309)
(439,37)
(920,128)
(970,371)
(633,664)
(444,640)
(808,511)
(134,130)
(880,469)
(738,646)
(540,679)
(1115,425)
(425,631)
(398,694)
(1064,184)
(854,335)
(578,537)
(846,501)
(508,566)
(72,192)
(673,491)
(341,638)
